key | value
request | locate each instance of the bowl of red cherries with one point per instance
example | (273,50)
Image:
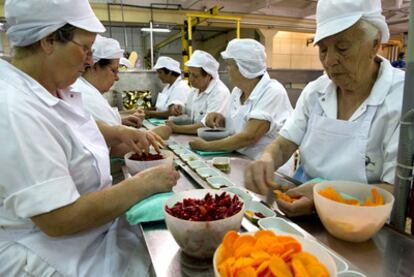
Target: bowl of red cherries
(198,219)
(136,163)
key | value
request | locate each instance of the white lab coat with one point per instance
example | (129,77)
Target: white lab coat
(176,94)
(214,99)
(95,103)
(364,148)
(268,101)
(54,154)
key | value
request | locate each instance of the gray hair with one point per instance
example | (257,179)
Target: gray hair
(369,30)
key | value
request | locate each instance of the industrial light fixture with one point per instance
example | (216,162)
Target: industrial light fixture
(158,30)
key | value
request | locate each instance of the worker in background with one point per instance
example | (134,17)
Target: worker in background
(259,105)
(172,99)
(209,93)
(98,79)
(59,213)
(400,62)
(346,122)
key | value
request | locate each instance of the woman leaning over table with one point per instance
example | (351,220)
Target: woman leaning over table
(259,106)
(346,123)
(209,93)
(59,214)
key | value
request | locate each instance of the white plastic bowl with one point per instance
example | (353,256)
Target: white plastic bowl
(212,134)
(200,238)
(136,166)
(308,245)
(349,222)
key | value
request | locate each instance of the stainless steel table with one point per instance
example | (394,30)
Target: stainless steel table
(389,253)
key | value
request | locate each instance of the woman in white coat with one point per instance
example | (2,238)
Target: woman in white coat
(59,213)
(259,106)
(209,93)
(99,78)
(172,99)
(346,123)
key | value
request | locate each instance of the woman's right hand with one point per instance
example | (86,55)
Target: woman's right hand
(214,120)
(158,179)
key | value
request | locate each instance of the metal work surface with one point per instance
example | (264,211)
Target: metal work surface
(389,253)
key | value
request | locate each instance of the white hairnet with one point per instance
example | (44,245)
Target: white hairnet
(106,48)
(168,63)
(334,16)
(249,54)
(126,62)
(30,20)
(205,61)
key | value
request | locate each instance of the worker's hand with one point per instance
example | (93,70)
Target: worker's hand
(135,119)
(199,144)
(158,179)
(303,201)
(171,124)
(139,141)
(176,109)
(258,175)
(214,120)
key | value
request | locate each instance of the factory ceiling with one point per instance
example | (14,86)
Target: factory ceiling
(396,11)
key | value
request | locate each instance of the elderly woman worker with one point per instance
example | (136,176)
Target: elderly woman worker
(99,78)
(346,123)
(259,106)
(209,93)
(172,99)
(60,216)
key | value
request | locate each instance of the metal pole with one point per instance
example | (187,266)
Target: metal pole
(403,175)
(123,21)
(190,37)
(152,46)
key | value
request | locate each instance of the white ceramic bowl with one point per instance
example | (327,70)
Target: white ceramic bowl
(181,119)
(212,134)
(200,238)
(136,166)
(349,222)
(308,245)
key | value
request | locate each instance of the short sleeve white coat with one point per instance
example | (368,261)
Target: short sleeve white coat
(214,99)
(54,153)
(175,94)
(95,103)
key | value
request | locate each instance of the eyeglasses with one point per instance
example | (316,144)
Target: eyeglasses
(87,50)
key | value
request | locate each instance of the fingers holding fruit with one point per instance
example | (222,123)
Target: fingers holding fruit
(258,175)
(159,179)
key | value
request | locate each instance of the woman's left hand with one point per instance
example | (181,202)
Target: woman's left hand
(140,140)
(134,120)
(199,144)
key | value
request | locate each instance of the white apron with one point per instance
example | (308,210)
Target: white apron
(335,149)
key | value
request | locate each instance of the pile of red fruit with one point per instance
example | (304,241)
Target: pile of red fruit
(207,209)
(146,157)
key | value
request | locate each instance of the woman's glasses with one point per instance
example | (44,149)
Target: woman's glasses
(87,50)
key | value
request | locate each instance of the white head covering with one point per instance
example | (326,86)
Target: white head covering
(126,62)
(106,48)
(168,63)
(334,16)
(31,20)
(205,61)
(250,56)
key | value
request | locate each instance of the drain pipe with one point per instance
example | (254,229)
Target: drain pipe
(403,175)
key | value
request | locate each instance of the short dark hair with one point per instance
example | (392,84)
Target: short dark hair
(103,62)
(167,71)
(65,33)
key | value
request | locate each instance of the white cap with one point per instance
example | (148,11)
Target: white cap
(168,63)
(249,54)
(334,16)
(205,61)
(126,62)
(31,20)
(106,48)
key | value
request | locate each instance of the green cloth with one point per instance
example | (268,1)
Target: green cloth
(149,209)
(211,153)
(157,121)
(315,180)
